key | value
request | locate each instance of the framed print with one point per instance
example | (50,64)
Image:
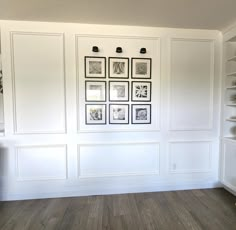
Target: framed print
(95,67)
(119,114)
(141,91)
(95,114)
(118,67)
(95,91)
(118,90)
(141,114)
(141,68)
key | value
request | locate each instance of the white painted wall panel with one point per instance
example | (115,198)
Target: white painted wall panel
(229,164)
(41,162)
(189,157)
(118,159)
(38,74)
(191,84)
(131,49)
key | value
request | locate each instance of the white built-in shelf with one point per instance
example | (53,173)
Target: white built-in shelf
(233,74)
(232,58)
(231,87)
(230,138)
(231,119)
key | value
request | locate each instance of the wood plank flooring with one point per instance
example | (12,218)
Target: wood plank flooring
(179,210)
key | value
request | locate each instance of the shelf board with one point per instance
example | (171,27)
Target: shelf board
(230,138)
(233,74)
(231,119)
(231,104)
(231,87)
(232,58)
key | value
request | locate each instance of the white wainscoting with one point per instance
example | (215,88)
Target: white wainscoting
(191,84)
(41,162)
(121,159)
(38,74)
(229,164)
(190,156)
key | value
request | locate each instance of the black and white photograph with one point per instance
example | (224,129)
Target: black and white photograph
(141,114)
(141,91)
(95,67)
(118,90)
(95,91)
(119,114)
(141,68)
(95,114)
(118,67)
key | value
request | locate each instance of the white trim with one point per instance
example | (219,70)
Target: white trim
(211,102)
(187,171)
(12,33)
(19,178)
(141,173)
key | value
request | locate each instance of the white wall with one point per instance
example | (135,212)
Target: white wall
(49,151)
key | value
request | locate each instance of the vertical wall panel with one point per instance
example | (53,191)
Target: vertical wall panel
(191,84)
(38,77)
(189,157)
(41,162)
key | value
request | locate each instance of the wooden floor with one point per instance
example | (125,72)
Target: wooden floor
(196,209)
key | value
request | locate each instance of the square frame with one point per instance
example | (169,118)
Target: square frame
(95,114)
(141,113)
(141,91)
(95,67)
(118,67)
(118,91)
(119,114)
(141,68)
(93,93)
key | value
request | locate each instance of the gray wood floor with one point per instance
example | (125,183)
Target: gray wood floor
(195,209)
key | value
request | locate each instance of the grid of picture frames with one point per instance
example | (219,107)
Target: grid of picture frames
(112,92)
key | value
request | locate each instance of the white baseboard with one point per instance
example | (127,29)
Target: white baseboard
(84,190)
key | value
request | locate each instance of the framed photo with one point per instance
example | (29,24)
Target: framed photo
(141,114)
(95,67)
(95,114)
(118,67)
(95,91)
(118,90)
(141,91)
(141,68)
(119,114)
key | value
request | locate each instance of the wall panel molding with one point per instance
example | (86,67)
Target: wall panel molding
(199,162)
(15,123)
(173,126)
(155,170)
(51,166)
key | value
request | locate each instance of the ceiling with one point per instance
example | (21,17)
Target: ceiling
(195,14)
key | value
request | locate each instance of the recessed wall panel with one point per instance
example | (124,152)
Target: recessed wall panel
(191,84)
(38,82)
(118,159)
(189,157)
(41,162)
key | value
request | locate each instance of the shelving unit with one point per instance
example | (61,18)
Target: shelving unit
(228,133)
(229,119)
